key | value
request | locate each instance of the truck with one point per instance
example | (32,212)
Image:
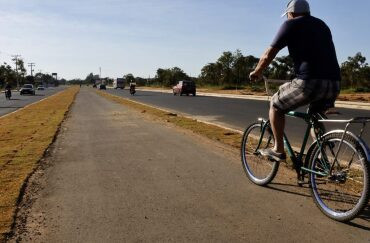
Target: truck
(119,83)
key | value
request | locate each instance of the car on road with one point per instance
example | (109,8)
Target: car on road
(184,87)
(27,89)
(40,87)
(102,86)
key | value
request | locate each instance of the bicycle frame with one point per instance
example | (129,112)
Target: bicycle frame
(313,121)
(297,159)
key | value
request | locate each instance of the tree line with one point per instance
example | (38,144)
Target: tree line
(232,70)
(18,76)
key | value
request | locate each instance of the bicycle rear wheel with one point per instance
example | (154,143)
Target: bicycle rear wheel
(344,193)
(258,169)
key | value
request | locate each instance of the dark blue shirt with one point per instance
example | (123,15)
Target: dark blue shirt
(311,47)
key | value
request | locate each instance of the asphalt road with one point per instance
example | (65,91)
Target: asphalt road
(233,113)
(19,101)
(115,175)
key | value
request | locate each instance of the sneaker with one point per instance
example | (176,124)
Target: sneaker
(271,154)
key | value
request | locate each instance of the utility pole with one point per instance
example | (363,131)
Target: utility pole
(15,57)
(31,64)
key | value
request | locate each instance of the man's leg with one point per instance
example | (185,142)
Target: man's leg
(277,119)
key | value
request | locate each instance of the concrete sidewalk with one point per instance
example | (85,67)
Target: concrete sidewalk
(118,176)
(339,104)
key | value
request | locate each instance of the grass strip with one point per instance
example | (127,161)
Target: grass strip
(24,137)
(211,131)
(217,133)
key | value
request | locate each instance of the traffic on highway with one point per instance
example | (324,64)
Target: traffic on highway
(18,101)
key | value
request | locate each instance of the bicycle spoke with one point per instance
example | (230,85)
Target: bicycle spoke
(343,189)
(259,169)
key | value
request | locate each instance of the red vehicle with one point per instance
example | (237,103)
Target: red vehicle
(184,87)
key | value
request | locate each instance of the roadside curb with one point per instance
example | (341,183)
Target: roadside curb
(338,104)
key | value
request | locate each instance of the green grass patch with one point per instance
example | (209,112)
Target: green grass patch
(25,136)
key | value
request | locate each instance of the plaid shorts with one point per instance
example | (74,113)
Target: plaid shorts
(319,93)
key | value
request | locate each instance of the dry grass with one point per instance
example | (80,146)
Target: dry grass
(211,131)
(358,97)
(25,136)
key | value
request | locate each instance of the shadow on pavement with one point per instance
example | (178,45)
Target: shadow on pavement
(288,188)
(297,190)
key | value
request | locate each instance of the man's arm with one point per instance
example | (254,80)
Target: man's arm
(264,62)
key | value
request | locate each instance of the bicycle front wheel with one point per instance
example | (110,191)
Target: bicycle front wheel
(342,193)
(259,170)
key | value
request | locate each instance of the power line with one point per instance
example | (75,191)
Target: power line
(31,65)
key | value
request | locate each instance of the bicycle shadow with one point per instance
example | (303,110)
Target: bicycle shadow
(304,192)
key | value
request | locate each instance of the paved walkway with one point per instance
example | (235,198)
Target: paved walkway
(116,176)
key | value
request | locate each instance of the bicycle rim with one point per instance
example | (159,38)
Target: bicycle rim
(344,193)
(258,169)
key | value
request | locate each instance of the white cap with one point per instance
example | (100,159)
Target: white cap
(297,6)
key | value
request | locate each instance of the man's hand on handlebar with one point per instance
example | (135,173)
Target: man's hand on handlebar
(254,76)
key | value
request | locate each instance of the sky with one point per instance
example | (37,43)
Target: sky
(75,37)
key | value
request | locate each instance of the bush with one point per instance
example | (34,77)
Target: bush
(255,88)
(362,89)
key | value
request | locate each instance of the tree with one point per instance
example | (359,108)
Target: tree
(90,78)
(141,81)
(211,74)
(282,68)
(226,61)
(43,78)
(169,77)
(30,79)
(129,78)
(230,68)
(355,71)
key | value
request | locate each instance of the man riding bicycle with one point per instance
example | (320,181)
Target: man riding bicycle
(317,71)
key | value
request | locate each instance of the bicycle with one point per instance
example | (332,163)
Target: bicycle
(336,165)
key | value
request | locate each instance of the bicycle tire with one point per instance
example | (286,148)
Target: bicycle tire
(248,145)
(329,201)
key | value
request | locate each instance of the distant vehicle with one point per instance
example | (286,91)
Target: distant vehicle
(94,86)
(132,88)
(8,94)
(40,87)
(102,86)
(27,89)
(184,87)
(119,83)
